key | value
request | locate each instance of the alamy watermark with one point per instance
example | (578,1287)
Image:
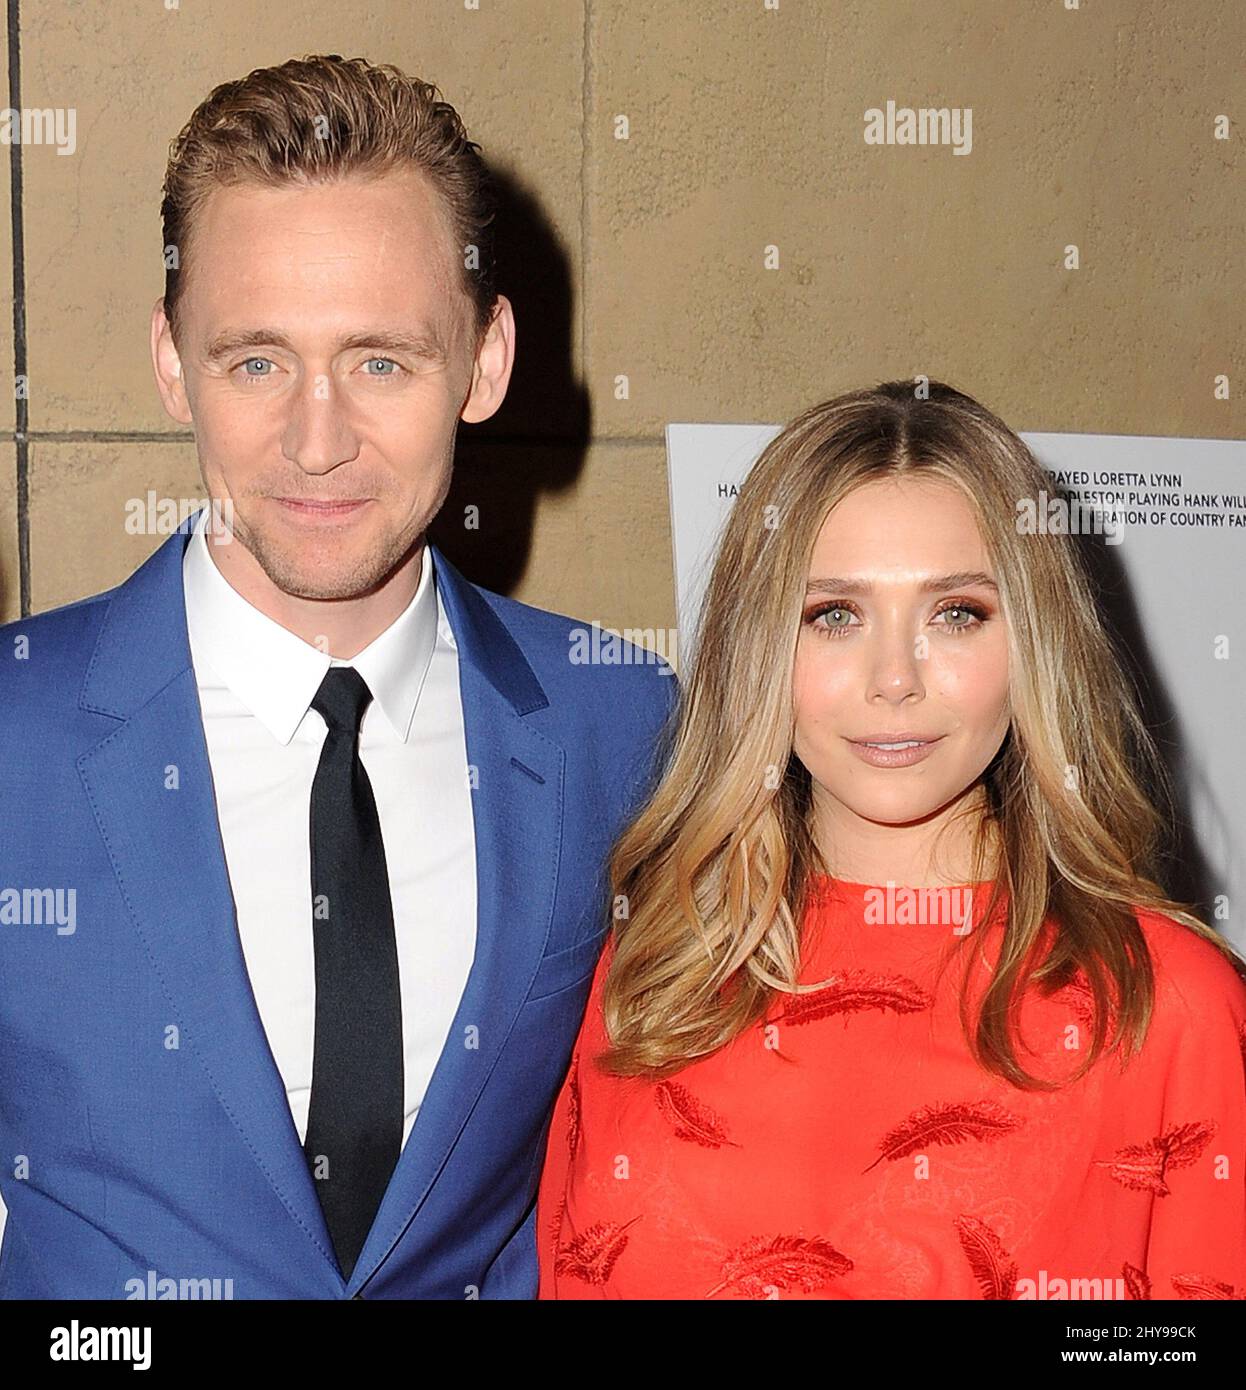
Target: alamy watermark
(1051,1287)
(927,125)
(900,906)
(1063,516)
(154,515)
(84,1342)
(38,907)
(40,125)
(602,646)
(158,1286)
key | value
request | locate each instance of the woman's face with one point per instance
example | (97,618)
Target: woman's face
(902,638)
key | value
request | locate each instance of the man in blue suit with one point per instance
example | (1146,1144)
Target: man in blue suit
(303,876)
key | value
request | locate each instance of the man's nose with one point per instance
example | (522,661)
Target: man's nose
(319,434)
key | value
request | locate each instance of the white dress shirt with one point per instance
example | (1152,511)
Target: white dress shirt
(256,682)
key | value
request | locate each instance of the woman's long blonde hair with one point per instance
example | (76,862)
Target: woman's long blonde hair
(715,873)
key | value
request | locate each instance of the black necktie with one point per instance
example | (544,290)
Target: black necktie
(354,1126)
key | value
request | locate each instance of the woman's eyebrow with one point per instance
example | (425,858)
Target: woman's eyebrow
(937,583)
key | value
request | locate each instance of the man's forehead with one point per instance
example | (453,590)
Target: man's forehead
(399,182)
(397,216)
(349,262)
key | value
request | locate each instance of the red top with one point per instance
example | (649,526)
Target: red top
(849,1146)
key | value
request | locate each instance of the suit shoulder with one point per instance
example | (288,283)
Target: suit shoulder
(562,649)
(45,655)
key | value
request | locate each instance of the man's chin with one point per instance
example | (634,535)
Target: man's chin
(324,564)
(337,581)
(326,592)
(326,571)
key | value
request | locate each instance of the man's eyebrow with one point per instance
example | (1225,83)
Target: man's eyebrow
(426,345)
(936,583)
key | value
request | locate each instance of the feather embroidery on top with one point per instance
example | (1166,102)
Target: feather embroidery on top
(993,1267)
(690,1118)
(593,1255)
(1144,1167)
(949,1122)
(1136,1281)
(555,1225)
(1080,997)
(781,1262)
(854,991)
(573,1106)
(1197,1286)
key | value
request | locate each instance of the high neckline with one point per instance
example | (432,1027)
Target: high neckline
(882,906)
(827,881)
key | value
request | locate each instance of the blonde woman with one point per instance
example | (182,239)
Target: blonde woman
(894,1005)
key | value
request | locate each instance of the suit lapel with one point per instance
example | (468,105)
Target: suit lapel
(150,787)
(517,810)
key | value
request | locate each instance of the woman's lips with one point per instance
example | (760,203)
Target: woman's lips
(893,757)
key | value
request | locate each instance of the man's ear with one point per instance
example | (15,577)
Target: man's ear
(491,372)
(168,367)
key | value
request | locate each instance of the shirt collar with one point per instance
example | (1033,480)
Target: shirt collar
(276,674)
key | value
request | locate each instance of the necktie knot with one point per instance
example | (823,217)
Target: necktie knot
(342,698)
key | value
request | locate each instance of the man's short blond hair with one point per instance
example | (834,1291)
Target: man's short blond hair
(318,118)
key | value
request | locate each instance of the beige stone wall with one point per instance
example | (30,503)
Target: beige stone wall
(645,258)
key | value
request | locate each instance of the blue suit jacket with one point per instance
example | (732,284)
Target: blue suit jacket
(143,1123)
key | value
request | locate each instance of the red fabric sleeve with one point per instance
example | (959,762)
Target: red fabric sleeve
(563,1137)
(552,1190)
(1192,1160)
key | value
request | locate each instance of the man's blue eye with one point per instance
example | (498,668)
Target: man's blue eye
(383,361)
(252,360)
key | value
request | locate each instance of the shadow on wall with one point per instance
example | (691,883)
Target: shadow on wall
(1185,872)
(538,441)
